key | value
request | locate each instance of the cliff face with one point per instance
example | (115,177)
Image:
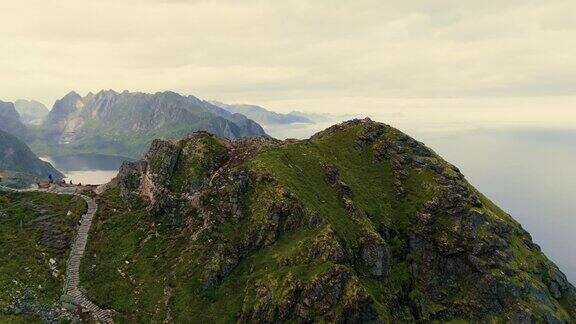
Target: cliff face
(361,223)
(125,123)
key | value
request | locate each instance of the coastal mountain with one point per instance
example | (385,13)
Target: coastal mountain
(10,121)
(264,116)
(31,111)
(125,123)
(15,156)
(358,224)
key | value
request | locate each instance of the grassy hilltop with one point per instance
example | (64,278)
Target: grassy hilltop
(359,223)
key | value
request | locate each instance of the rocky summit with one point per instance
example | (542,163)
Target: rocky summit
(360,223)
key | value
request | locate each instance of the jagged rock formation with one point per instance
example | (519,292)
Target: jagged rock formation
(361,223)
(16,156)
(10,121)
(125,123)
(31,111)
(264,116)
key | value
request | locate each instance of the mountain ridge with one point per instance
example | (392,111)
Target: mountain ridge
(124,123)
(359,223)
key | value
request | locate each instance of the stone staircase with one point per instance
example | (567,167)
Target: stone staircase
(72,294)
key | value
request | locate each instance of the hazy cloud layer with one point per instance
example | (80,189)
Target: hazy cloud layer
(310,55)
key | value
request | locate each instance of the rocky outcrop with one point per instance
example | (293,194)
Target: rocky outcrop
(129,179)
(375,256)
(170,169)
(335,181)
(148,179)
(220,265)
(334,294)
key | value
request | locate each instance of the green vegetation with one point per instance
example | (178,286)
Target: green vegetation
(36,231)
(191,169)
(357,224)
(299,167)
(18,319)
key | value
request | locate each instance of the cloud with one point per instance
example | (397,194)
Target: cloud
(276,52)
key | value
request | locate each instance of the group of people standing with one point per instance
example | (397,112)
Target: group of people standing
(63,182)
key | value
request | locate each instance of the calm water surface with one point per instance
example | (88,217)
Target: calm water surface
(87,168)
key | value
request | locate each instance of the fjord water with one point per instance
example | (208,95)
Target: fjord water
(87,168)
(528,171)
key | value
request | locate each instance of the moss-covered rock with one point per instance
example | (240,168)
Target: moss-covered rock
(361,223)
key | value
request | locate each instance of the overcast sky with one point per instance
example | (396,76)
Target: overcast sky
(338,56)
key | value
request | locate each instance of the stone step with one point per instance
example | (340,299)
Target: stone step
(72,295)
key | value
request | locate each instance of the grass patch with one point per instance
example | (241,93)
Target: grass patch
(26,222)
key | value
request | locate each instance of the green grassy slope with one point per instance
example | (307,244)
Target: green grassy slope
(359,223)
(36,231)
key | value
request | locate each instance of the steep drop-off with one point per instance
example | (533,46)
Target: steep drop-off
(360,223)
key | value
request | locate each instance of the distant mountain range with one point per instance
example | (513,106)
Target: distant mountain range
(17,156)
(10,121)
(125,123)
(31,111)
(263,115)
(317,118)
